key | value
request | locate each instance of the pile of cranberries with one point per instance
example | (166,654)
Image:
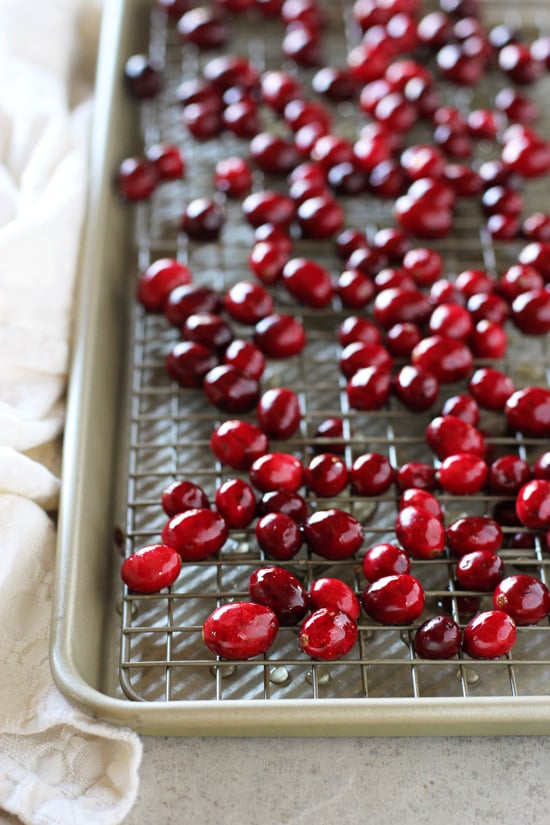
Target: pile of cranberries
(407,332)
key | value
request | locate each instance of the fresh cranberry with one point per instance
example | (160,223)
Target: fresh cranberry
(369,388)
(136,179)
(413,497)
(425,265)
(327,634)
(143,77)
(423,217)
(354,289)
(334,83)
(188,362)
(541,467)
(517,279)
(334,594)
(384,559)
(167,160)
(299,112)
(536,226)
(366,260)
(329,436)
(420,533)
(392,277)
(229,71)
(236,501)
(208,329)
(268,207)
(526,154)
(397,305)
(278,88)
(489,635)
(308,282)
(508,474)
(359,354)
(238,443)
(233,177)
(280,590)
(248,302)
(357,328)
(439,637)
(434,29)
(203,120)
(320,216)
(273,154)
(333,534)
(423,160)
(278,412)
(537,255)
(230,390)
(533,504)
(283,501)
(305,189)
(416,388)
(277,471)
(483,124)
(528,411)
(416,474)
(157,281)
(491,388)
(471,281)
(280,336)
(499,200)
(451,321)
(516,60)
(196,534)
(394,600)
(303,45)
(203,27)
(307,12)
(468,534)
(241,118)
(523,597)
(240,630)
(487,306)
(465,181)
(391,242)
(371,474)
(267,260)
(202,219)
(402,338)
(463,474)
(448,359)
(273,233)
(448,435)
(330,150)
(444,291)
(489,340)
(183,495)
(151,568)
(462,406)
(480,570)
(278,535)
(531,312)
(348,240)
(197,90)
(326,475)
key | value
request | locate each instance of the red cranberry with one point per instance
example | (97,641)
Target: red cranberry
(278,535)
(465,181)
(280,336)
(229,71)
(151,568)
(348,240)
(277,471)
(278,412)
(487,306)
(394,600)
(357,328)
(369,151)
(330,150)
(327,634)
(241,118)
(537,255)
(491,388)
(463,474)
(425,265)
(531,312)
(203,120)
(518,63)
(439,637)
(446,358)
(416,388)
(174,8)
(236,501)
(366,260)
(238,443)
(333,534)
(371,474)
(387,179)
(508,474)
(183,495)
(326,475)
(334,594)
(305,189)
(398,305)
(369,388)
(320,216)
(443,291)
(354,289)
(480,570)
(196,534)
(392,277)
(541,467)
(248,302)
(489,635)
(300,112)
(358,354)
(462,406)
(469,534)
(384,559)
(536,226)
(488,340)
(268,207)
(308,282)
(402,338)
(208,329)
(526,154)
(280,590)
(273,154)
(273,233)
(136,179)
(525,598)
(483,124)
(451,321)
(233,176)
(498,200)
(143,77)
(528,411)
(167,160)
(416,474)
(517,279)
(198,90)
(328,429)
(203,27)
(267,260)
(434,29)
(240,630)
(423,160)
(278,88)
(282,501)
(307,12)
(230,390)
(202,219)
(533,504)
(448,435)
(334,83)
(188,362)
(303,45)
(413,497)
(157,281)
(420,533)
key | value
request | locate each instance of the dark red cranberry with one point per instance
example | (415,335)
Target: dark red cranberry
(359,354)
(402,338)
(533,504)
(537,255)
(280,590)
(304,189)
(523,597)
(462,406)
(283,501)
(487,306)
(300,112)
(136,179)
(508,474)
(198,90)
(471,281)
(278,88)
(233,177)
(183,495)
(230,390)
(397,305)
(489,340)
(456,64)
(516,105)
(188,299)
(451,321)
(240,630)
(434,29)
(268,207)
(348,240)
(448,435)
(333,534)
(384,559)
(480,570)
(516,60)
(387,179)
(371,474)
(528,411)
(303,45)
(446,358)
(167,160)
(327,430)
(502,200)
(391,242)
(157,281)
(203,120)
(203,27)
(248,302)
(238,443)
(267,260)
(439,637)
(277,471)
(354,289)
(489,635)
(526,154)
(468,534)
(207,328)
(517,279)
(335,83)
(202,219)
(330,150)
(320,216)
(273,154)
(394,600)
(416,474)
(463,474)
(174,8)
(241,117)
(357,328)
(503,227)
(413,497)
(334,594)
(491,388)
(142,76)
(536,227)
(278,412)
(443,291)
(541,467)
(423,264)
(151,568)
(308,282)
(326,475)
(416,388)
(369,388)
(229,71)
(464,181)
(369,151)
(236,502)
(327,634)
(278,535)
(419,532)
(273,233)
(196,534)
(366,260)
(280,336)
(531,312)
(188,362)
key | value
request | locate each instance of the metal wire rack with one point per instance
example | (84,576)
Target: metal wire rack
(162,656)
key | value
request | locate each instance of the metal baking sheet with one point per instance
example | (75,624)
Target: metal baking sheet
(140,661)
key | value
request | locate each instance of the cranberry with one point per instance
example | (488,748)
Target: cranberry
(334,83)
(277,471)
(420,533)
(537,255)
(267,260)
(462,406)
(464,181)
(416,388)
(268,207)
(354,289)
(391,242)
(394,600)
(525,598)
(536,226)
(516,105)
(357,328)
(402,338)
(136,179)
(471,281)
(307,12)
(468,534)
(443,291)
(489,635)
(327,430)
(203,120)
(448,359)
(533,504)
(167,160)
(240,630)
(196,534)
(491,388)
(434,29)
(330,150)
(518,63)
(526,154)
(280,336)
(463,474)
(203,27)
(230,390)
(487,306)
(423,217)
(413,497)
(208,329)
(174,8)
(273,154)
(508,474)
(326,475)
(384,559)
(278,412)
(371,474)
(327,634)
(451,321)
(531,312)
(278,535)
(308,282)
(439,637)
(305,189)
(369,388)
(233,176)
(483,124)
(359,354)
(142,76)
(425,265)
(333,534)
(303,45)
(393,278)
(300,112)
(248,302)
(397,305)
(183,495)
(241,118)
(488,340)
(238,443)
(369,152)
(366,260)
(280,590)
(273,233)
(198,90)
(229,71)
(334,594)
(283,501)
(448,434)
(151,568)
(188,362)
(528,411)
(416,474)
(541,467)
(480,570)
(236,501)
(320,216)
(499,200)
(423,160)
(518,279)
(157,281)
(202,219)
(278,88)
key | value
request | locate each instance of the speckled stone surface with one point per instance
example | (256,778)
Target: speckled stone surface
(410,781)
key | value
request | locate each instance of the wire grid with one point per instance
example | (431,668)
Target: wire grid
(162,655)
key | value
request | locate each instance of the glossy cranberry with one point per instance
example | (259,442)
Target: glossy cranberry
(491,388)
(208,329)
(248,302)
(196,534)
(203,120)
(371,474)
(536,226)
(457,65)
(241,117)
(462,406)
(278,88)
(463,474)
(502,227)
(526,154)
(174,8)
(531,312)
(188,362)
(203,27)
(327,634)
(151,568)
(330,150)
(167,160)
(229,71)
(480,570)
(183,495)
(439,637)
(413,497)
(384,559)
(358,328)
(282,591)
(528,411)
(334,594)
(391,242)
(402,338)
(508,474)
(202,219)
(465,181)
(424,265)
(541,467)
(143,77)
(333,534)
(268,207)
(394,600)
(236,502)
(483,124)
(487,306)
(370,151)
(136,179)
(448,435)
(267,260)
(278,412)
(354,289)
(304,189)
(468,534)
(277,471)
(416,474)
(326,475)
(327,430)
(157,281)
(533,504)
(368,60)
(283,501)
(397,305)
(366,260)
(273,154)
(320,216)
(369,388)
(450,321)
(444,291)
(240,630)
(230,390)
(238,443)
(420,533)
(197,90)
(489,340)
(523,597)
(516,105)
(280,336)
(489,635)
(448,359)
(308,282)
(516,60)
(519,278)
(501,200)
(307,12)
(186,300)
(537,255)
(299,112)
(359,354)
(386,179)
(303,44)
(434,29)
(393,277)
(278,534)
(273,233)
(416,388)
(233,177)
(334,83)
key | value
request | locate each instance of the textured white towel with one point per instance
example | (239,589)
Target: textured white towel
(56,764)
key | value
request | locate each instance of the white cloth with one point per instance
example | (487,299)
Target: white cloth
(57,765)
